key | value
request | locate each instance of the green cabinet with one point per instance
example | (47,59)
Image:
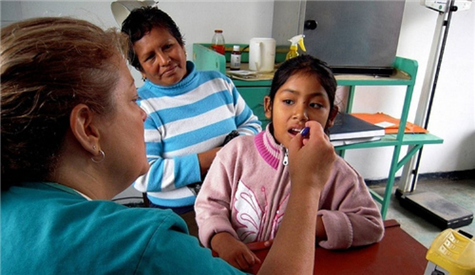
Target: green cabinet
(254,97)
(405,74)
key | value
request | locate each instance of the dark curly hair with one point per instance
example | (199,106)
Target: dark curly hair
(305,64)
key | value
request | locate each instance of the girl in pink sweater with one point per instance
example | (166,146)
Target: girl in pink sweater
(245,192)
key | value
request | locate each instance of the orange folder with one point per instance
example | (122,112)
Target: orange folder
(389,123)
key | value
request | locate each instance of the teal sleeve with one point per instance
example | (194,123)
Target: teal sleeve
(172,250)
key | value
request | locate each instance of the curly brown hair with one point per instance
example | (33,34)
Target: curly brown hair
(47,66)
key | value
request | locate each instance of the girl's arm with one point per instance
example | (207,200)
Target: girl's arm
(233,251)
(212,205)
(350,215)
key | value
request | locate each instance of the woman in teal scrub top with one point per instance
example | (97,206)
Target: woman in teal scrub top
(72,139)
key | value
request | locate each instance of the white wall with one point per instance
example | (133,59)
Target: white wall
(453,114)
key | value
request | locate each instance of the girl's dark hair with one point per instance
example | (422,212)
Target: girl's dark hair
(305,64)
(140,22)
(49,65)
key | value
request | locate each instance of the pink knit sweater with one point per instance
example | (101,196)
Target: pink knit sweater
(247,188)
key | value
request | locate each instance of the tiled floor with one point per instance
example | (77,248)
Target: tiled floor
(458,191)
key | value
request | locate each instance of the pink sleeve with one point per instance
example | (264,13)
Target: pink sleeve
(212,204)
(349,213)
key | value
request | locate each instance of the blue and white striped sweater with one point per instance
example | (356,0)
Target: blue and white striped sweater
(183,120)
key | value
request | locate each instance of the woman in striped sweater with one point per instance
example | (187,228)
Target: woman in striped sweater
(189,113)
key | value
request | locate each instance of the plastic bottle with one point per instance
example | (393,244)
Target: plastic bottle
(451,253)
(218,41)
(295,42)
(235,63)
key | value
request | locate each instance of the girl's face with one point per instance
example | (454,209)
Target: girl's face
(299,100)
(162,58)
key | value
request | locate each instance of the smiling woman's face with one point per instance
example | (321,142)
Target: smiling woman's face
(162,58)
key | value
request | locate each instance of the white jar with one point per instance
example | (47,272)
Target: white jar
(235,63)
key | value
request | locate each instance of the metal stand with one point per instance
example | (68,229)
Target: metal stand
(430,205)
(410,171)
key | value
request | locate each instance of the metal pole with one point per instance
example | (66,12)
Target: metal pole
(411,169)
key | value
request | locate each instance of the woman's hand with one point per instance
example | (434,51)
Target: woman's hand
(233,251)
(310,164)
(205,159)
(311,157)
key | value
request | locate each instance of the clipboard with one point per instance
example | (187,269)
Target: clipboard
(389,123)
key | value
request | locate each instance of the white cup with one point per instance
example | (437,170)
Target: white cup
(262,54)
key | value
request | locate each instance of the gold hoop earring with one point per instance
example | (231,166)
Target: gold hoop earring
(101,157)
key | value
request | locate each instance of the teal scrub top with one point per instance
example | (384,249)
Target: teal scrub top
(48,228)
